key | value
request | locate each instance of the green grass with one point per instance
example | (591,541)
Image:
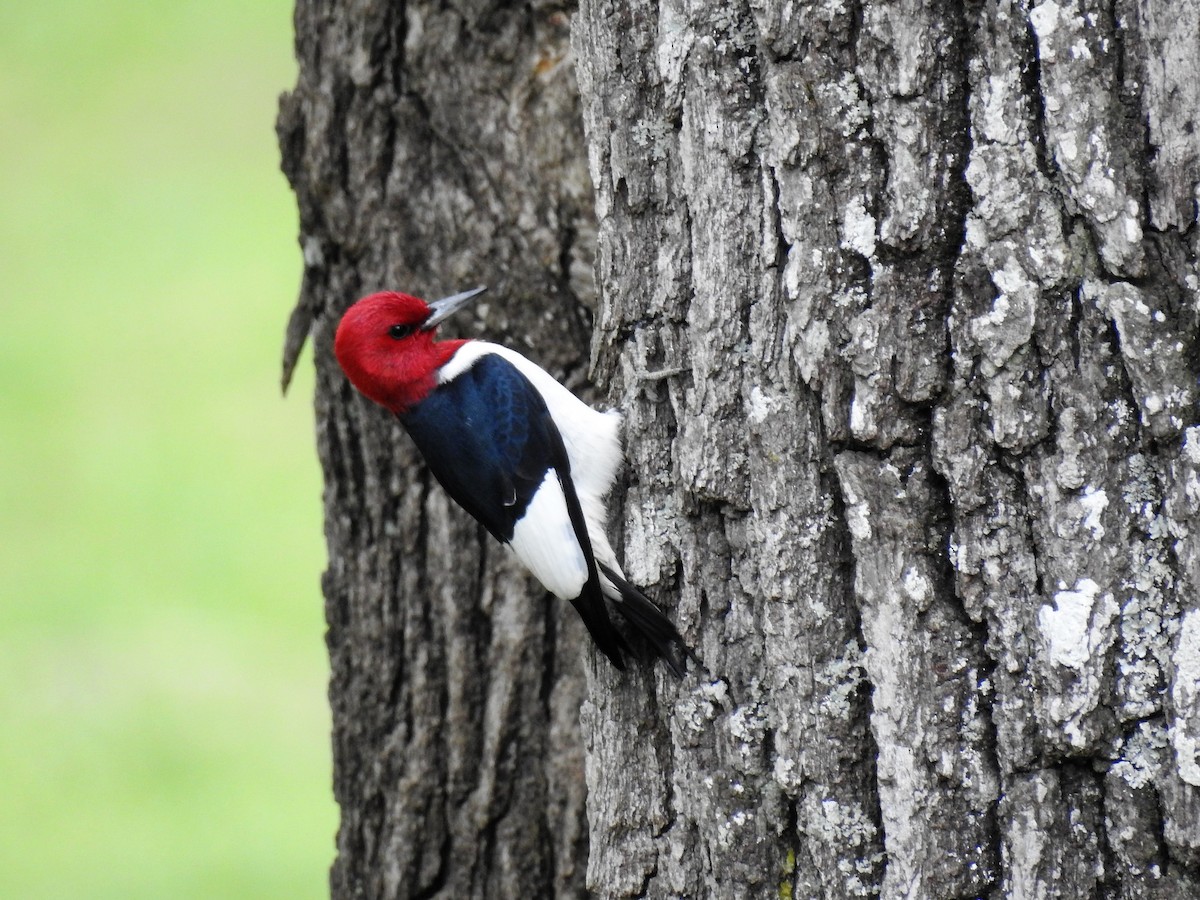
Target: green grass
(163,726)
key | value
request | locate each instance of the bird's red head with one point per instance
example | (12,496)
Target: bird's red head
(385,345)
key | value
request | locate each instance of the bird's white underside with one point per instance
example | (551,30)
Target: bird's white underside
(543,539)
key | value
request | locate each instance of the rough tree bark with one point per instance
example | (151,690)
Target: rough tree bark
(433,148)
(901,302)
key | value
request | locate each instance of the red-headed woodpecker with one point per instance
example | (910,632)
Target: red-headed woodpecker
(514,448)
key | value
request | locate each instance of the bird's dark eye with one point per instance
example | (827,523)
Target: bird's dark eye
(400,332)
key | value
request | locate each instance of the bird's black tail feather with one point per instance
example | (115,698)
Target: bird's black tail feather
(594,613)
(649,621)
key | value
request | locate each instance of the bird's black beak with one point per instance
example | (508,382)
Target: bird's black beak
(441,309)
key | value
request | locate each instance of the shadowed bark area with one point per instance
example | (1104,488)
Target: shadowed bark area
(901,302)
(433,148)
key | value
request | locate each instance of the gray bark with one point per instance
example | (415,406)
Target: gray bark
(901,303)
(433,148)
(920,486)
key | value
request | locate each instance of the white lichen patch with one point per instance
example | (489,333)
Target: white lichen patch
(655,137)
(1093,502)
(1142,755)
(916,585)
(697,708)
(1191,445)
(786,772)
(1144,640)
(842,678)
(858,417)
(762,407)
(858,518)
(1078,631)
(747,724)
(729,831)
(844,98)
(1044,19)
(858,228)
(1068,149)
(840,824)
(1185,697)
(1149,605)
(1074,628)
(1001,93)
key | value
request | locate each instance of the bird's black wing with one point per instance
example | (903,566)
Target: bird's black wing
(489,439)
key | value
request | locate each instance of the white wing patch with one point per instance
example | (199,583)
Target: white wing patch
(545,542)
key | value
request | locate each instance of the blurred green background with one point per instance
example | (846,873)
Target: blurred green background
(163,724)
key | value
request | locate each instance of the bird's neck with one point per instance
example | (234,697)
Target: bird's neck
(408,392)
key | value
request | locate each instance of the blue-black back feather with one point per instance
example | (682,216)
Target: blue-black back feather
(484,437)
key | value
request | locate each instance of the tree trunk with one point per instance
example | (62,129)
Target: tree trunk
(924,484)
(901,302)
(434,148)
